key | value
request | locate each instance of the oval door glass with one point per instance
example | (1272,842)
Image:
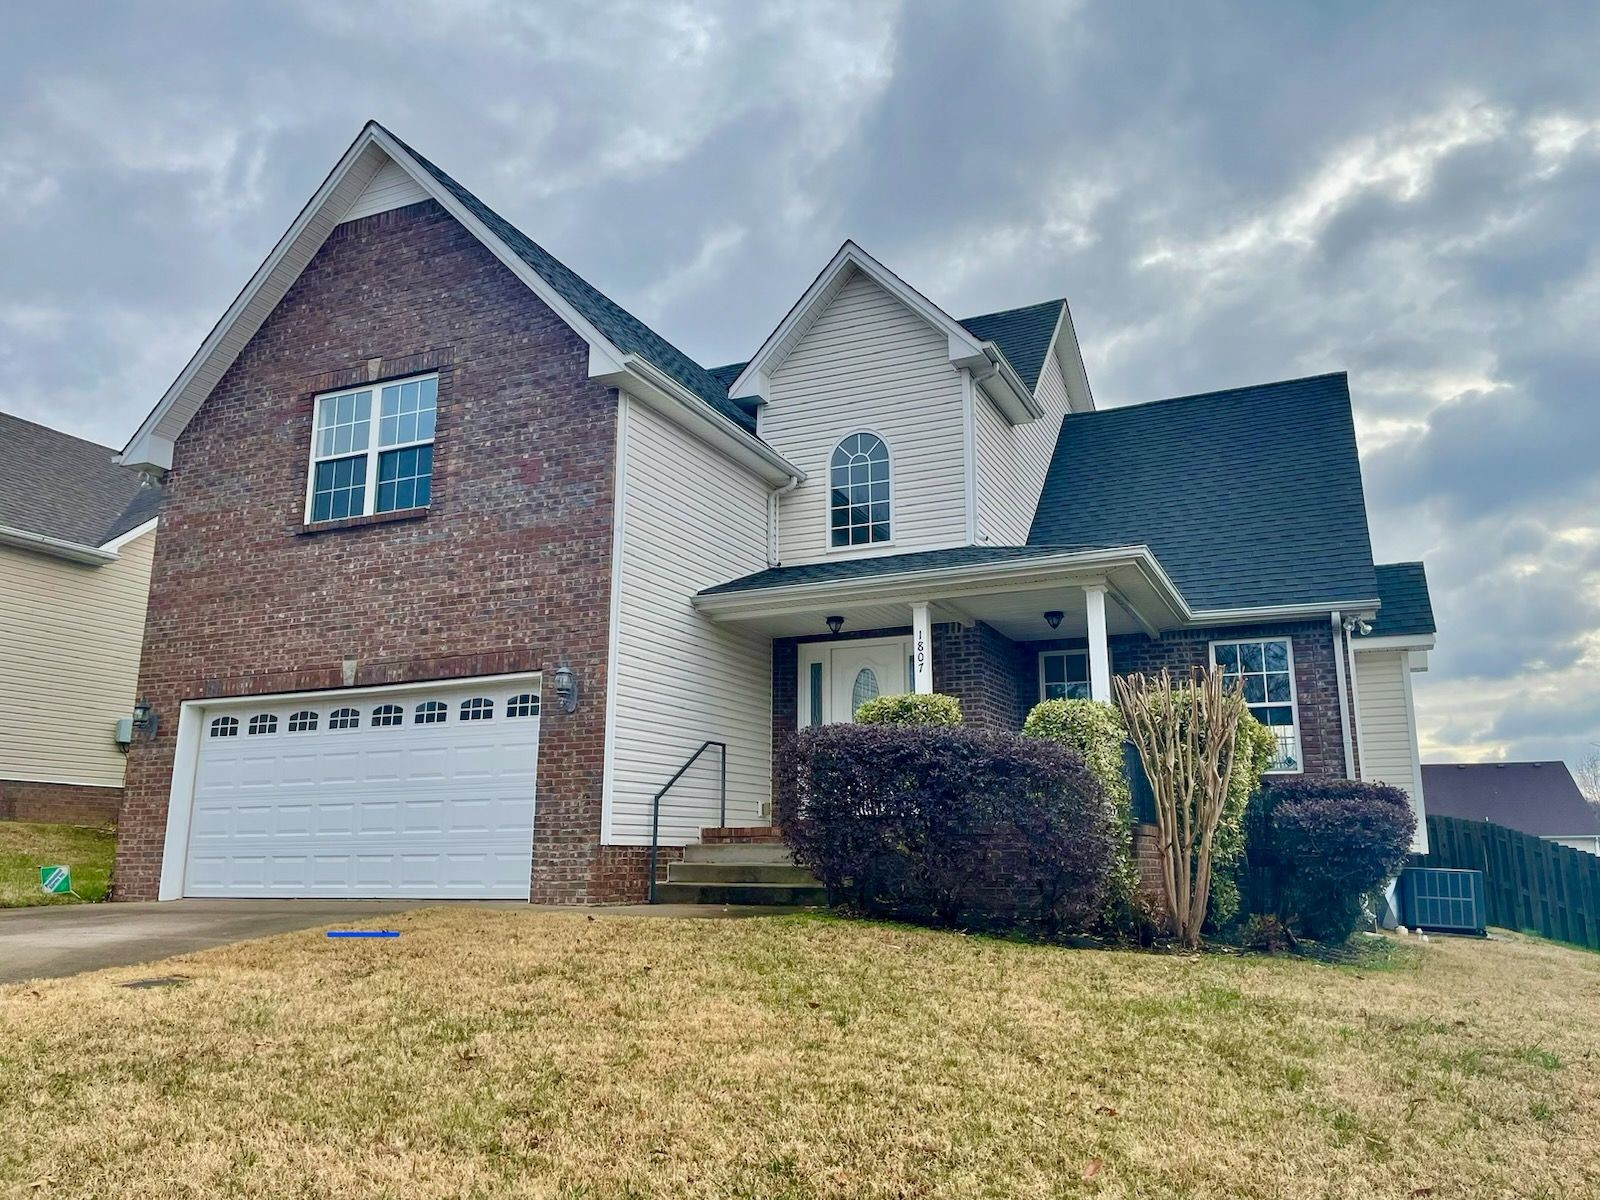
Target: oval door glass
(866,688)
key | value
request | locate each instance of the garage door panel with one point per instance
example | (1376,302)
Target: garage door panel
(423,809)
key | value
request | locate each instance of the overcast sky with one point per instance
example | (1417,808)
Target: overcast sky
(1226,193)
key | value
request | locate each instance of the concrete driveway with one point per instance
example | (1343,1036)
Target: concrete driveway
(56,940)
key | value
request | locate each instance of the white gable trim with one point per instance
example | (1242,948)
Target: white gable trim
(966,351)
(367,155)
(1069,356)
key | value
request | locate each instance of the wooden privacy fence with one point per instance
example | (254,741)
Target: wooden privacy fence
(1529,884)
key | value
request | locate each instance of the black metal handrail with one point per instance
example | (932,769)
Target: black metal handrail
(655,804)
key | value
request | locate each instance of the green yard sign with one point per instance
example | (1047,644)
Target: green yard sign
(57,881)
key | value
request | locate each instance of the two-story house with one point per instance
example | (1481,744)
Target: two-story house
(461,563)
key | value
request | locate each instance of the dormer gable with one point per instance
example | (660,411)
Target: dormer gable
(964,349)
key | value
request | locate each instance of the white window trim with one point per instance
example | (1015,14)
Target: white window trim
(1044,654)
(1294,693)
(827,499)
(369,495)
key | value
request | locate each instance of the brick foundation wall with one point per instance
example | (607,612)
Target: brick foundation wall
(509,570)
(58,803)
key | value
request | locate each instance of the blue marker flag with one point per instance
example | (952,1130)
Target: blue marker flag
(363,933)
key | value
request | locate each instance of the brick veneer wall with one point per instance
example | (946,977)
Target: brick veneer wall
(1316,680)
(995,679)
(58,803)
(509,570)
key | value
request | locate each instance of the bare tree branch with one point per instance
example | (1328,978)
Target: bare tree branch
(1185,735)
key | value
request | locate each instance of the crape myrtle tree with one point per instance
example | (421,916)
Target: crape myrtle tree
(1186,734)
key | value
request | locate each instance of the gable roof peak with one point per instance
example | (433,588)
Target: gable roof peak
(615,337)
(966,350)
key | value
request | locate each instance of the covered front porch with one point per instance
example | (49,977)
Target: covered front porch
(998,630)
(1002,628)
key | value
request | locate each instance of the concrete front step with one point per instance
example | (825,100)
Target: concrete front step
(740,872)
(757,852)
(739,893)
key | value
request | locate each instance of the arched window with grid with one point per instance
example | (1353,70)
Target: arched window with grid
(858,479)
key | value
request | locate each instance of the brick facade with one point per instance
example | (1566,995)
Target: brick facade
(509,570)
(58,803)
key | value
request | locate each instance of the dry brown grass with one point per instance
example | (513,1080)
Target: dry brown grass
(493,1053)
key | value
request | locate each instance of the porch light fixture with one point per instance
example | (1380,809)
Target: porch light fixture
(566,688)
(1053,618)
(835,624)
(144,718)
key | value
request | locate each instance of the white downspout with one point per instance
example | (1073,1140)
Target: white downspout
(1344,707)
(774,502)
(1355,696)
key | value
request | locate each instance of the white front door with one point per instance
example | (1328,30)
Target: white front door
(404,792)
(836,678)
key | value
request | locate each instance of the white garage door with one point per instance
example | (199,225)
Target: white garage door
(368,793)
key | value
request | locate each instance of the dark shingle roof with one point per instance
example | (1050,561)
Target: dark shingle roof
(1404,608)
(1248,497)
(1023,335)
(1540,798)
(726,375)
(841,570)
(63,487)
(626,332)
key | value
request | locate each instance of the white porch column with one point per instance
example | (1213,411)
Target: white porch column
(921,649)
(1094,599)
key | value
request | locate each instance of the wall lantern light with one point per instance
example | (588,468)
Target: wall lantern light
(566,688)
(1053,618)
(835,624)
(144,718)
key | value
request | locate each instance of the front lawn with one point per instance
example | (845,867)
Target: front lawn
(25,847)
(501,1053)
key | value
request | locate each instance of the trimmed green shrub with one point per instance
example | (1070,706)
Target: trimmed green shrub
(1318,845)
(951,825)
(1096,732)
(910,708)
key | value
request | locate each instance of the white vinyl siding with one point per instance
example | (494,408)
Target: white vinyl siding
(69,662)
(391,187)
(868,364)
(1387,735)
(1014,459)
(689,519)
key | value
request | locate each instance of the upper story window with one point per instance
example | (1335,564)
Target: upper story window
(1265,669)
(858,477)
(365,462)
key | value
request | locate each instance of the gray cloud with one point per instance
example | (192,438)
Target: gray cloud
(1226,193)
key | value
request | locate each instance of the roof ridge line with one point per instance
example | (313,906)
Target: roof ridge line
(1139,405)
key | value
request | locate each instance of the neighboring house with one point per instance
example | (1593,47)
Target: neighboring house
(1538,798)
(461,563)
(77,534)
